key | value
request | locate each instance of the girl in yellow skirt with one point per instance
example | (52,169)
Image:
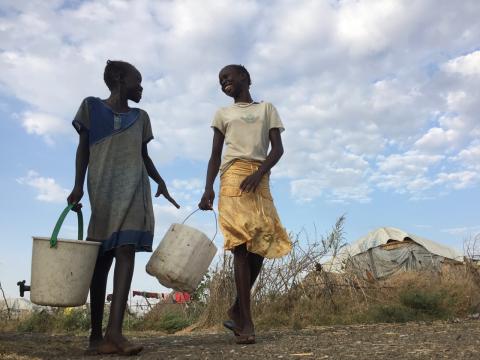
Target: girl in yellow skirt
(248,218)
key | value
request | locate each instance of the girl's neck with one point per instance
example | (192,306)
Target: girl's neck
(117,102)
(243,97)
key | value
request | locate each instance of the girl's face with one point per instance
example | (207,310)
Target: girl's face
(231,81)
(133,86)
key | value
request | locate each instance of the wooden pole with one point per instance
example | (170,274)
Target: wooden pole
(6,302)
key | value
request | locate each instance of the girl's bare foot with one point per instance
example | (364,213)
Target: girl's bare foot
(118,344)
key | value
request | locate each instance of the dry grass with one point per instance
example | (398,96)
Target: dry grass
(219,294)
(296,292)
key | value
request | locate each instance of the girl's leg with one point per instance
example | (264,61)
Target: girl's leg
(255,263)
(114,340)
(97,297)
(243,282)
(124,263)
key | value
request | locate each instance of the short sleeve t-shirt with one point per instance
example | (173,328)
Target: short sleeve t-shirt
(246,129)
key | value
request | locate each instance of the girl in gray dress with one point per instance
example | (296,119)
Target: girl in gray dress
(113,145)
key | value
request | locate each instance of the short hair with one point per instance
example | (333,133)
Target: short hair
(241,69)
(115,69)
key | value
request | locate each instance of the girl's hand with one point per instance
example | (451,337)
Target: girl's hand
(206,203)
(162,190)
(250,183)
(74,198)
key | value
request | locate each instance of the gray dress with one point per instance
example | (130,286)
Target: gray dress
(118,183)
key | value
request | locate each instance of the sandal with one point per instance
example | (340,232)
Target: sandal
(230,325)
(245,339)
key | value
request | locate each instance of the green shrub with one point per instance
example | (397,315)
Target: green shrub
(168,318)
(38,321)
(170,322)
(173,322)
(73,320)
(57,320)
(424,301)
(414,305)
(391,314)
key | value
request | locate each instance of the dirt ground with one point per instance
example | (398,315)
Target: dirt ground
(438,340)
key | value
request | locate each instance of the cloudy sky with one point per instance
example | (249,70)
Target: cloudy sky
(379,100)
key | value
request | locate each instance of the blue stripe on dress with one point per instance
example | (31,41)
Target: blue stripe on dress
(142,240)
(107,122)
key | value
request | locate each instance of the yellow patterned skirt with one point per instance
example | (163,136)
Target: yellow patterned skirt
(250,218)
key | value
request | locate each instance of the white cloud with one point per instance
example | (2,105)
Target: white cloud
(409,163)
(367,95)
(337,184)
(48,189)
(470,156)
(389,92)
(405,173)
(437,139)
(456,99)
(459,180)
(370,26)
(466,65)
(306,189)
(44,125)
(187,190)
(194,184)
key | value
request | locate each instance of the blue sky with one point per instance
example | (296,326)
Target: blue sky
(379,100)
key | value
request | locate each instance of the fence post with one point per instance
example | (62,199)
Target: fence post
(6,302)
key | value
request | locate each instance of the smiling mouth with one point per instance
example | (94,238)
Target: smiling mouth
(228,88)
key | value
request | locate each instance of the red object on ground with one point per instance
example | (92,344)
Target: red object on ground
(182,297)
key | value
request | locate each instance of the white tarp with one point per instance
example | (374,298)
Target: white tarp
(382,236)
(17,304)
(379,263)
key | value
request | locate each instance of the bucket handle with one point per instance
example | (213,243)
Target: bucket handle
(58,225)
(216,224)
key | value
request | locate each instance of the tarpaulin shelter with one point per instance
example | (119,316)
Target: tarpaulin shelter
(17,305)
(387,250)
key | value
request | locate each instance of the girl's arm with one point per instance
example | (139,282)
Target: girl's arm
(206,203)
(153,173)
(251,182)
(81,164)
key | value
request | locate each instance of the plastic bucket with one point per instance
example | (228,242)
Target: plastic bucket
(182,258)
(62,269)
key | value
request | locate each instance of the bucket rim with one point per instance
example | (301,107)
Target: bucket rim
(189,227)
(93,243)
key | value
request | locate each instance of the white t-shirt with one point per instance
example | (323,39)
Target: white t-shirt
(246,129)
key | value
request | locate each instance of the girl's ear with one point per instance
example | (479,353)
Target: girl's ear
(119,80)
(244,78)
